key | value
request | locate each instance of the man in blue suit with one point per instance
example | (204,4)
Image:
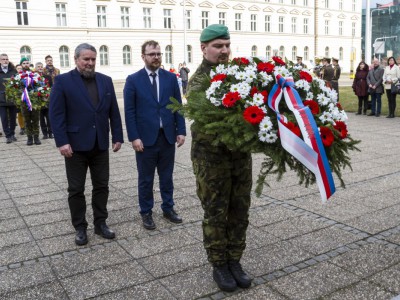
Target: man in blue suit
(83,108)
(153,130)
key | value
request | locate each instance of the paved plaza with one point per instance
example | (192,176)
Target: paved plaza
(297,247)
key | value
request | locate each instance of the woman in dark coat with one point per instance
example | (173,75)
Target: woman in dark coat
(360,87)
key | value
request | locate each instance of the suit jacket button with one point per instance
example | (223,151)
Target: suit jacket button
(94,126)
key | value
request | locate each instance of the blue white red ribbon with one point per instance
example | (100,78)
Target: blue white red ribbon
(25,93)
(310,151)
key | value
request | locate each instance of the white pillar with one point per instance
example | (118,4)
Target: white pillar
(368,32)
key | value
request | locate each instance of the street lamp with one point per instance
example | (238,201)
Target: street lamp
(368,34)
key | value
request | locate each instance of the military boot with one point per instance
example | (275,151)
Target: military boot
(243,280)
(29,142)
(224,279)
(37,141)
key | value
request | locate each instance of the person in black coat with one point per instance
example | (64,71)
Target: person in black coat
(360,87)
(8,110)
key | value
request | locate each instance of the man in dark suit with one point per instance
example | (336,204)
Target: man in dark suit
(153,130)
(83,108)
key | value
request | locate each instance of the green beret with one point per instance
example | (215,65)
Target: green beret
(214,31)
(23,59)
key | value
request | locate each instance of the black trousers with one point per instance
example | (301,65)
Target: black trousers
(8,115)
(76,166)
(45,121)
(362,100)
(391,101)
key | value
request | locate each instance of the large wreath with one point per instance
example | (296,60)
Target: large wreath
(240,105)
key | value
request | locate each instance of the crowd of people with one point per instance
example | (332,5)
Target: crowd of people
(28,119)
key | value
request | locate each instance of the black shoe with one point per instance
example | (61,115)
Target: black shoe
(29,142)
(104,231)
(377,115)
(242,279)
(172,216)
(13,138)
(1,133)
(36,139)
(371,114)
(148,222)
(224,279)
(22,131)
(51,136)
(358,113)
(81,237)
(9,140)
(364,113)
(45,136)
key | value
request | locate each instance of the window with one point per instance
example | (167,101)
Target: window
(306,53)
(267,23)
(327,52)
(281,1)
(326,27)
(353,5)
(101,16)
(103,56)
(294,21)
(222,18)
(204,19)
(340,4)
(341,53)
(124,17)
(254,50)
(188,19)
(167,19)
(305,26)
(340,27)
(189,54)
(126,55)
(293,2)
(147,17)
(253,22)
(353,29)
(280,24)
(22,12)
(238,21)
(168,54)
(305,2)
(282,51)
(64,56)
(326,3)
(294,53)
(61,14)
(268,52)
(25,51)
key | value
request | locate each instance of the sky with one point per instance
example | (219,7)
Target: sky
(374,2)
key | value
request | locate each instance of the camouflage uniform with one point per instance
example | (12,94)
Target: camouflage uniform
(335,78)
(31,120)
(223,180)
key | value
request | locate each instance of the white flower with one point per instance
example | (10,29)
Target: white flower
(265,78)
(283,71)
(211,90)
(258,99)
(326,117)
(215,101)
(266,124)
(231,70)
(221,69)
(243,88)
(269,137)
(212,73)
(303,84)
(241,75)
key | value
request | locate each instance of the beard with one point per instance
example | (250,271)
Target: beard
(88,74)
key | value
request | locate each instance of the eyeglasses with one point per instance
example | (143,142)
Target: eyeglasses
(154,54)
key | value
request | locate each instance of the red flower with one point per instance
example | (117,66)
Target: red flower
(218,77)
(253,91)
(39,94)
(306,76)
(230,99)
(293,128)
(253,114)
(342,128)
(241,61)
(313,105)
(278,60)
(339,105)
(326,136)
(265,67)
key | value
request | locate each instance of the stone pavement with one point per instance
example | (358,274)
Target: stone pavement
(297,247)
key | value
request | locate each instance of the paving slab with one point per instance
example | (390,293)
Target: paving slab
(360,291)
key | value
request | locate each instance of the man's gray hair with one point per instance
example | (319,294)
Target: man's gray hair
(83,46)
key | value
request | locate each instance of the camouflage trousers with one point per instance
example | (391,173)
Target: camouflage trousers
(224,181)
(31,119)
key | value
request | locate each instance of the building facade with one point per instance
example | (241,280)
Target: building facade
(117,28)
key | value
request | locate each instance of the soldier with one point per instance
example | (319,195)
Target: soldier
(336,75)
(327,71)
(300,62)
(223,178)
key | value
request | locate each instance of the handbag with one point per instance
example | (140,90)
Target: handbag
(395,88)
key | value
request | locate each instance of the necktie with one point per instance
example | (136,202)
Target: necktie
(154,75)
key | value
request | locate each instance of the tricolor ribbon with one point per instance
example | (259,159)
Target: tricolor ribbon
(310,151)
(25,94)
